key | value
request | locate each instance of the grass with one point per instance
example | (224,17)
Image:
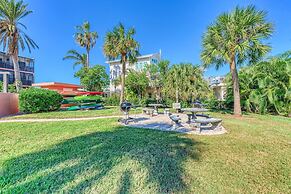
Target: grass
(100,156)
(108,111)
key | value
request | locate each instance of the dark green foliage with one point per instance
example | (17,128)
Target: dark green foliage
(112,100)
(265,86)
(184,82)
(94,78)
(136,85)
(39,100)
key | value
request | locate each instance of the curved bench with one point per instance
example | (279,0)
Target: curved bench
(176,120)
(148,111)
(204,123)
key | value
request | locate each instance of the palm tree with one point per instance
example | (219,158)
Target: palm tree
(79,59)
(12,35)
(120,44)
(185,82)
(85,38)
(236,38)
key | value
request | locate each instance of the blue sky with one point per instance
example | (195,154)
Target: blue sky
(175,26)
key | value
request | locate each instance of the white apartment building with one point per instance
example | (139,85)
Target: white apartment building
(218,86)
(142,61)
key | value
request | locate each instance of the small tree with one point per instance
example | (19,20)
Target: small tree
(236,38)
(94,78)
(157,76)
(136,84)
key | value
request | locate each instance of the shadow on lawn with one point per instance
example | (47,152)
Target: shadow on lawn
(51,170)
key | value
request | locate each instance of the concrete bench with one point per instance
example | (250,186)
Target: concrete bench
(148,111)
(204,123)
(166,111)
(176,120)
(203,115)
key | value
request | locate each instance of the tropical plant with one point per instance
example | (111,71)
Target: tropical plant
(185,82)
(79,59)
(12,35)
(94,78)
(136,84)
(157,76)
(236,38)
(266,86)
(120,44)
(85,38)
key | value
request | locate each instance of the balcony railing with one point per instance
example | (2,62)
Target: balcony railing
(22,66)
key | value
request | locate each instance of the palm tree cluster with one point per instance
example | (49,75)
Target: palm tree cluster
(236,38)
(12,35)
(182,82)
(185,82)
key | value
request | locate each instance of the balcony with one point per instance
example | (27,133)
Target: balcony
(26,82)
(22,66)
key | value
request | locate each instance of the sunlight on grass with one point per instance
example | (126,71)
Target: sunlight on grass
(100,156)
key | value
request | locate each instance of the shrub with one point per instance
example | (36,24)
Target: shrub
(112,100)
(33,100)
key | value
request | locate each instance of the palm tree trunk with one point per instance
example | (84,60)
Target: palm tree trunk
(18,83)
(88,58)
(123,78)
(235,87)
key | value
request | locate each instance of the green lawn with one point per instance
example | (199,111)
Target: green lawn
(101,157)
(108,111)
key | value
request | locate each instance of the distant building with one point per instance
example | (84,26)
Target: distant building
(26,66)
(116,68)
(218,86)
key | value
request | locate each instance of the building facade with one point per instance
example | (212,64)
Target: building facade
(26,66)
(218,86)
(116,68)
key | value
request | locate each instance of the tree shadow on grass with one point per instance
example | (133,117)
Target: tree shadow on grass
(93,156)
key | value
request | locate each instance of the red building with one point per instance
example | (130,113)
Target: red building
(65,89)
(62,88)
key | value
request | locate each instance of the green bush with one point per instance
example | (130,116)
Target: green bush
(112,100)
(33,100)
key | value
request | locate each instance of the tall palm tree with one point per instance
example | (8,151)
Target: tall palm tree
(12,35)
(120,44)
(236,38)
(85,38)
(79,59)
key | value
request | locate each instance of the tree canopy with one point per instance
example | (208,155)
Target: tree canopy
(94,78)
(185,82)
(236,38)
